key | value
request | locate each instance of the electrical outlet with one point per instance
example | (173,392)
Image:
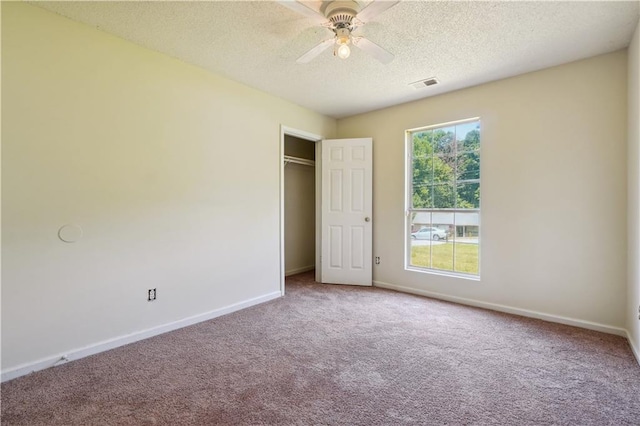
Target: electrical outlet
(151,294)
(377,260)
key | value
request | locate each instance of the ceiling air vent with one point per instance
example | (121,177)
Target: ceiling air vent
(424,83)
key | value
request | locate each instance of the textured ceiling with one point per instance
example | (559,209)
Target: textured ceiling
(461,43)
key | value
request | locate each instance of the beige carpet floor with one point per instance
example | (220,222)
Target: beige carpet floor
(344,355)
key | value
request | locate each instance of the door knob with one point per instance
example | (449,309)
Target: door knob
(367,219)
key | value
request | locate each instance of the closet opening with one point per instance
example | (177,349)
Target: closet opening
(299,205)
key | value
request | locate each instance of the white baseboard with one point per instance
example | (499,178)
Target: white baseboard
(299,270)
(508,309)
(634,349)
(95,348)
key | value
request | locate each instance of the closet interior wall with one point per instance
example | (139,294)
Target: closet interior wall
(299,206)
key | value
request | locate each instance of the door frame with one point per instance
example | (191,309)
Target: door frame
(316,139)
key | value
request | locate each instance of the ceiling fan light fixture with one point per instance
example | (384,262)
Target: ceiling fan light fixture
(344,51)
(343,38)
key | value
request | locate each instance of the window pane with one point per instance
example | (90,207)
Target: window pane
(422,144)
(421,254)
(444,169)
(423,170)
(445,222)
(443,140)
(444,196)
(468,195)
(467,242)
(468,166)
(469,220)
(466,256)
(420,220)
(422,196)
(442,255)
(420,244)
(463,129)
(468,136)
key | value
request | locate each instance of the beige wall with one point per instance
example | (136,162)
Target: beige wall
(633,214)
(553,190)
(172,173)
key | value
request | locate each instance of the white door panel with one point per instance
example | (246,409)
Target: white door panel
(347,177)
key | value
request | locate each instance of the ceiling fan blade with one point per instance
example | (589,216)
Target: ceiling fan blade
(374,9)
(302,9)
(318,49)
(373,49)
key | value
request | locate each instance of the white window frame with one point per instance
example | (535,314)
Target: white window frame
(409,208)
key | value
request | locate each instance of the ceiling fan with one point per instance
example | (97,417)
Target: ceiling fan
(343,18)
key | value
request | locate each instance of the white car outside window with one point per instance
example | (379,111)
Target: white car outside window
(429,233)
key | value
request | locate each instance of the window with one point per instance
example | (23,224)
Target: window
(443,198)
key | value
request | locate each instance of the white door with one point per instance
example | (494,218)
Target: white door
(347,180)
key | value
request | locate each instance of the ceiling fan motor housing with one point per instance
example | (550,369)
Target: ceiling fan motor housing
(341,13)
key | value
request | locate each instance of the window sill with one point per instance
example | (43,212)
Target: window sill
(443,273)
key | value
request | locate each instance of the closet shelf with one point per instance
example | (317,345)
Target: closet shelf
(305,162)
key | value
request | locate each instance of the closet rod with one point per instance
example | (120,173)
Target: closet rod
(289,159)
